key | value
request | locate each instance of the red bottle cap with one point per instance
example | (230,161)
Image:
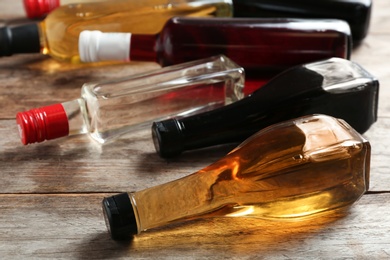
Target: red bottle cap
(44,123)
(39,8)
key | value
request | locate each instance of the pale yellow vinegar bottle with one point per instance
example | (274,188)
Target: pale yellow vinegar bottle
(292,170)
(57,35)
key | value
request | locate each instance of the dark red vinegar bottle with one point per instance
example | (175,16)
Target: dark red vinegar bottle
(260,45)
(335,87)
(356,12)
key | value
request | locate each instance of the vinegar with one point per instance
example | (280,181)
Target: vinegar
(292,170)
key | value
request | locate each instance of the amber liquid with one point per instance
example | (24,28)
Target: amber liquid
(61,29)
(297,169)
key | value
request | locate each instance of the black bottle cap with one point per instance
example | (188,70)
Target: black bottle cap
(166,138)
(119,215)
(19,39)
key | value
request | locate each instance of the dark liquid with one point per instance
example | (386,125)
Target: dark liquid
(261,45)
(356,12)
(294,93)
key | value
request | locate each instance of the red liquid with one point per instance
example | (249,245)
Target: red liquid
(260,46)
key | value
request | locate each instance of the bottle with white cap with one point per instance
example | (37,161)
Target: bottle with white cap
(261,45)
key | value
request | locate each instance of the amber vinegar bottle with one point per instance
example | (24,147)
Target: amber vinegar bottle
(292,170)
(57,35)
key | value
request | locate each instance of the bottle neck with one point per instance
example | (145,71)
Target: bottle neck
(144,47)
(177,201)
(75,113)
(13,40)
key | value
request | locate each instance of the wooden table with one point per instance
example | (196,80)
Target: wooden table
(50,193)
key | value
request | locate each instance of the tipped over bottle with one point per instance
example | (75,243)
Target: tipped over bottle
(57,35)
(336,87)
(291,170)
(109,109)
(261,45)
(356,12)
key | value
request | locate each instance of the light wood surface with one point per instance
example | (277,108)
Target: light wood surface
(50,193)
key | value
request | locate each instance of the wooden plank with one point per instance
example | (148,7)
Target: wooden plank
(371,56)
(78,164)
(30,81)
(72,226)
(380,20)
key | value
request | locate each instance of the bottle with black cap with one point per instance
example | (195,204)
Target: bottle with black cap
(335,87)
(19,39)
(356,12)
(292,170)
(57,35)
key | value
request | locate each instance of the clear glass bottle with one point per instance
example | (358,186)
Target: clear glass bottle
(112,108)
(335,87)
(57,35)
(261,45)
(292,170)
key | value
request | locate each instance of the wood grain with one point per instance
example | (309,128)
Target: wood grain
(71,226)
(50,194)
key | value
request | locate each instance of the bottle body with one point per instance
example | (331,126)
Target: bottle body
(61,28)
(267,44)
(107,110)
(334,87)
(259,45)
(356,12)
(295,169)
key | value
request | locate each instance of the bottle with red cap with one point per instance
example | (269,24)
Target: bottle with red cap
(112,108)
(40,8)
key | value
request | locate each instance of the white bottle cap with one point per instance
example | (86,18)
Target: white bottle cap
(98,46)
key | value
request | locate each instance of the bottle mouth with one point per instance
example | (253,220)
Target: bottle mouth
(167,138)
(40,124)
(119,216)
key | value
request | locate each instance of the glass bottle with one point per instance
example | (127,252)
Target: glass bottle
(335,87)
(256,44)
(40,8)
(291,170)
(112,108)
(57,35)
(356,12)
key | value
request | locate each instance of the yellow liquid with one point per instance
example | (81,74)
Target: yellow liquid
(289,172)
(61,28)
